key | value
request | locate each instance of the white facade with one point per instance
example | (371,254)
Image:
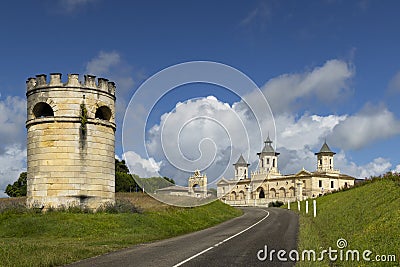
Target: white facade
(266,184)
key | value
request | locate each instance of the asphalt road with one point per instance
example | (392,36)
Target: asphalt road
(233,243)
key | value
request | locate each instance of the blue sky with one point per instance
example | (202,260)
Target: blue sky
(345,55)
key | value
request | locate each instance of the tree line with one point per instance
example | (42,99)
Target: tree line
(124,181)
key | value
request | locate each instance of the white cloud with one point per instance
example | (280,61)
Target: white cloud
(142,167)
(12,163)
(190,143)
(292,161)
(372,123)
(258,16)
(307,131)
(12,121)
(190,140)
(102,64)
(13,140)
(376,167)
(110,65)
(325,84)
(397,169)
(200,134)
(73,5)
(394,84)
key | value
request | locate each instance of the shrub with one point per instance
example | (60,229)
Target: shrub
(13,207)
(275,204)
(120,206)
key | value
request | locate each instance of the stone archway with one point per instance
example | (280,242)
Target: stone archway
(292,192)
(261,193)
(272,193)
(241,195)
(282,192)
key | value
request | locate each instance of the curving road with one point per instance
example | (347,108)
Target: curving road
(233,243)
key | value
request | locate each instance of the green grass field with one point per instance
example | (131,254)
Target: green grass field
(57,238)
(367,217)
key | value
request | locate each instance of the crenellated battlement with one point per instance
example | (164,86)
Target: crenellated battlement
(70,141)
(73,81)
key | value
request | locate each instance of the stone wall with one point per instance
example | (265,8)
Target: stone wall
(71,135)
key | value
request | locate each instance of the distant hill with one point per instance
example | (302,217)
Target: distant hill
(367,217)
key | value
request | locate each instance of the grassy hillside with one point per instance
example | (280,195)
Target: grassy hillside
(367,217)
(57,238)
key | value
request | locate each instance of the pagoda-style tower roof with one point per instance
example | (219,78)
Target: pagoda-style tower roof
(268,149)
(241,162)
(325,150)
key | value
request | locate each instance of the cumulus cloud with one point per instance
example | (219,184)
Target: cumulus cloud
(397,169)
(306,131)
(372,123)
(194,143)
(258,16)
(13,140)
(142,167)
(12,120)
(200,134)
(394,84)
(326,84)
(73,5)
(377,166)
(292,161)
(12,163)
(111,66)
(187,146)
(103,62)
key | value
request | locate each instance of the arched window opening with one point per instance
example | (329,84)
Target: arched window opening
(103,113)
(272,193)
(292,192)
(241,195)
(42,110)
(261,194)
(282,192)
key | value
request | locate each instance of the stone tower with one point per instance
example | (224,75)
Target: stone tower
(325,159)
(268,158)
(197,184)
(71,134)
(241,169)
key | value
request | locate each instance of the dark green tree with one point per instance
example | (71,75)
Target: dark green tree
(124,181)
(169,180)
(18,188)
(120,166)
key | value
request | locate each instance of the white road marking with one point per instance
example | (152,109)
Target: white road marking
(223,241)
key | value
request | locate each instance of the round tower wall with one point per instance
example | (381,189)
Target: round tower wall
(71,136)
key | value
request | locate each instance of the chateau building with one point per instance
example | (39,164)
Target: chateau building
(267,184)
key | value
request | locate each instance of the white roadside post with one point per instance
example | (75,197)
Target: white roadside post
(288,205)
(298,205)
(306,206)
(315,207)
